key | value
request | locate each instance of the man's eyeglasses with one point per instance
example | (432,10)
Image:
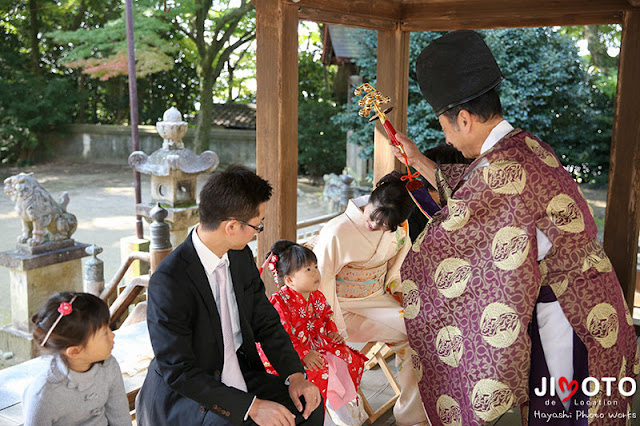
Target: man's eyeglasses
(258,228)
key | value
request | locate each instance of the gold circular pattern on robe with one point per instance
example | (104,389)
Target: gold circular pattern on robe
(490,399)
(449,345)
(418,242)
(411,299)
(510,247)
(417,365)
(602,323)
(602,264)
(451,277)
(594,401)
(623,368)
(636,362)
(565,214)
(545,156)
(505,177)
(458,215)
(560,287)
(449,411)
(499,325)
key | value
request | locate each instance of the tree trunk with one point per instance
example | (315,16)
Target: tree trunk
(203,127)
(597,48)
(35,44)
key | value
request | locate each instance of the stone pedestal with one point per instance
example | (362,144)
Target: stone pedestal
(35,277)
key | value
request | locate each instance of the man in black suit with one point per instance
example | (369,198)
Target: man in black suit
(206,368)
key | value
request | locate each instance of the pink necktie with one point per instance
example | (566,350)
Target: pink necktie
(231,374)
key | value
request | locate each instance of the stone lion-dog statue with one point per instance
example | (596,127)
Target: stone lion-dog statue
(43,220)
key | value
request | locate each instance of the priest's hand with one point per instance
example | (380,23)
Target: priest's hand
(422,164)
(410,148)
(299,386)
(269,413)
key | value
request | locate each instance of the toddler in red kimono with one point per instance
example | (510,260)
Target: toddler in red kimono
(330,364)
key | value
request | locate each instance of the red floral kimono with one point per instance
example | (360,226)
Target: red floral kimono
(308,324)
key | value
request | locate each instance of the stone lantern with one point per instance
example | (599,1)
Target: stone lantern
(174,170)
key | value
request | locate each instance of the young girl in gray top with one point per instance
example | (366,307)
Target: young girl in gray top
(83,384)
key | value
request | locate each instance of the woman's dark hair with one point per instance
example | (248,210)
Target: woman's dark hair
(391,201)
(291,257)
(235,193)
(485,107)
(89,314)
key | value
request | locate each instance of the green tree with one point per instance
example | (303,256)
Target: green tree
(547,91)
(321,145)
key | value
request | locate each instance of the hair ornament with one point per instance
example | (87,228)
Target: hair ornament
(64,309)
(271,260)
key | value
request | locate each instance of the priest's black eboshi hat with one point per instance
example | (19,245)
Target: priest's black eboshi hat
(455,69)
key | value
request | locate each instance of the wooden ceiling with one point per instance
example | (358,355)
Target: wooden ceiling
(444,15)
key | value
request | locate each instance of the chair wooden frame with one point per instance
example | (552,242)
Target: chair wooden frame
(377,353)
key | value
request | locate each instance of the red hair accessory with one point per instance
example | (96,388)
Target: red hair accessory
(64,309)
(271,261)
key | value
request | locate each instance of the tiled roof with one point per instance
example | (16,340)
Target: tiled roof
(341,44)
(235,116)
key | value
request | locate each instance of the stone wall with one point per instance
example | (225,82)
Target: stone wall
(112,144)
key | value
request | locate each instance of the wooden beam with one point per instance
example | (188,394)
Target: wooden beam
(392,80)
(477,23)
(634,3)
(368,9)
(470,14)
(346,19)
(623,197)
(277,118)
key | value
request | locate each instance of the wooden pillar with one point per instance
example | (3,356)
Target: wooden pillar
(392,80)
(277,118)
(623,213)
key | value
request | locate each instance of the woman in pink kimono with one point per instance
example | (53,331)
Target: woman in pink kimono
(359,256)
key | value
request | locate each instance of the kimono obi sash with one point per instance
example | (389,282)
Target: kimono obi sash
(355,282)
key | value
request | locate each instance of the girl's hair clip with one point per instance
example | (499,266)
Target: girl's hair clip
(64,309)
(271,260)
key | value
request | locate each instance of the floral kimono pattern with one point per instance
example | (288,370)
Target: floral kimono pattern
(308,323)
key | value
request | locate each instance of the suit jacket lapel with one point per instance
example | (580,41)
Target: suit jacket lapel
(197,274)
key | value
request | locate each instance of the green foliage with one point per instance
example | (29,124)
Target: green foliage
(547,91)
(29,102)
(321,145)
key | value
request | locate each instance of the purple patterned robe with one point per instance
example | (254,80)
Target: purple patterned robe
(472,279)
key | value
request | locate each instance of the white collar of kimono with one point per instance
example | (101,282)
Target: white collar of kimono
(497,133)
(356,216)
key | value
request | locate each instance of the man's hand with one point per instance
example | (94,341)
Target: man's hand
(269,413)
(299,386)
(410,148)
(336,337)
(415,158)
(313,360)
